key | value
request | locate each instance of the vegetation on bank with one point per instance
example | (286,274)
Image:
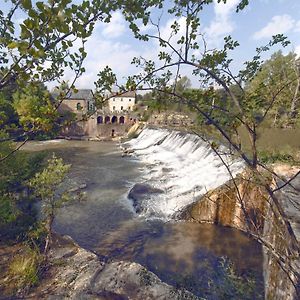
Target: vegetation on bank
(40,49)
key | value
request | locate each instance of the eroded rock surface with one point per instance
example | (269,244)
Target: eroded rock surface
(79,274)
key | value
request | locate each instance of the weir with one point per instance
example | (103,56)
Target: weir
(182,165)
(186,168)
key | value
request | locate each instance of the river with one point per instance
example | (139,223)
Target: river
(193,256)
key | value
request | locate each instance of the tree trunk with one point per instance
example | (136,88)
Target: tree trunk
(49,224)
(295,99)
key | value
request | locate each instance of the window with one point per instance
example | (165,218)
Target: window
(129,99)
(78,106)
(121,99)
(121,107)
(91,106)
(113,99)
(129,107)
(114,108)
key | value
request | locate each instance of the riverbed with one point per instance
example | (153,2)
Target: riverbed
(197,257)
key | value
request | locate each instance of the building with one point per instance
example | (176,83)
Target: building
(80,102)
(122,102)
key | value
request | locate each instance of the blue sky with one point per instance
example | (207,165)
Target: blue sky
(113,44)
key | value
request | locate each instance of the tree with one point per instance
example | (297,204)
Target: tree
(45,185)
(35,108)
(186,47)
(40,48)
(278,79)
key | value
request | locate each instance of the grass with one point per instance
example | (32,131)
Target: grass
(275,144)
(24,269)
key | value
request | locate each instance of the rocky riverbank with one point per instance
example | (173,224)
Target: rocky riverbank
(76,273)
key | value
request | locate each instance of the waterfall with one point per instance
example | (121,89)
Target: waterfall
(182,165)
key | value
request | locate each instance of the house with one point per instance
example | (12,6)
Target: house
(122,102)
(80,102)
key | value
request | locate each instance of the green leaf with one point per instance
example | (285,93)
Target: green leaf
(12,45)
(26,4)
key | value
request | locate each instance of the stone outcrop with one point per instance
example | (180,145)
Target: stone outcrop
(257,215)
(79,274)
(140,192)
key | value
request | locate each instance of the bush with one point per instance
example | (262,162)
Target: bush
(276,156)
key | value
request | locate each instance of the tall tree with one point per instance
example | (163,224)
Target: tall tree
(278,81)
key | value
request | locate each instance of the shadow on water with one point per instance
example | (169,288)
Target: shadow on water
(198,257)
(185,255)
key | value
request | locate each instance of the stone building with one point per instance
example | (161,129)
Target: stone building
(80,102)
(122,102)
(111,121)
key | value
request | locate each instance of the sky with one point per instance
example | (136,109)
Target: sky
(113,44)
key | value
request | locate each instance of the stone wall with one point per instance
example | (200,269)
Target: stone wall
(90,129)
(253,214)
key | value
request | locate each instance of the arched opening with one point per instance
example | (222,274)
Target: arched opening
(122,120)
(107,119)
(114,119)
(99,120)
(112,133)
(78,106)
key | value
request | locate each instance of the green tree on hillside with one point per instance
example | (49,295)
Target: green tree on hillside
(35,108)
(278,81)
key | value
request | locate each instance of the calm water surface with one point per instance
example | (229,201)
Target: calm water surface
(106,223)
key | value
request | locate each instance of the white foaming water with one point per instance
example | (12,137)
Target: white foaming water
(182,165)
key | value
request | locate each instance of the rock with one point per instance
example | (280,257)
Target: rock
(136,282)
(142,191)
(79,274)
(77,188)
(127,152)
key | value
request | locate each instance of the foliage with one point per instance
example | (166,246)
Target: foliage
(278,81)
(217,280)
(16,210)
(274,156)
(35,108)
(45,185)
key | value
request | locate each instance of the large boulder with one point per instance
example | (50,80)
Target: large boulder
(140,192)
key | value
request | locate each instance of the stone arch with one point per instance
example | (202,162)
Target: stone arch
(114,119)
(107,119)
(99,120)
(122,120)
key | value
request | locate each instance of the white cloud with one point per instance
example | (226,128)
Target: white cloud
(102,53)
(297,27)
(224,10)
(222,23)
(297,50)
(116,27)
(278,24)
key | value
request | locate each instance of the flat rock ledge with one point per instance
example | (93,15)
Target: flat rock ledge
(79,274)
